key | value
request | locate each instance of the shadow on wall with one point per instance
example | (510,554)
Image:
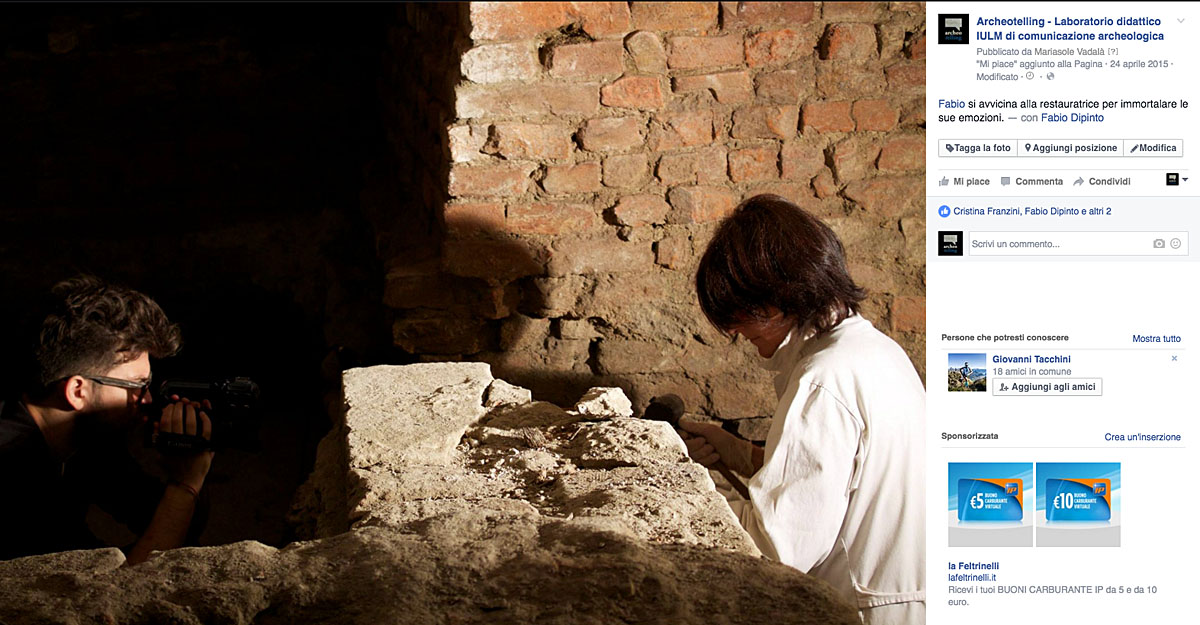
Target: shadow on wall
(506,301)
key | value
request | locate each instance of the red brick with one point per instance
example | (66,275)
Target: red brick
(522,100)
(636,92)
(874,115)
(466,142)
(727,87)
(773,47)
(754,164)
(639,210)
(844,80)
(801,161)
(766,122)
(600,59)
(474,217)
(497,260)
(681,130)
(852,11)
(626,171)
(647,51)
(667,16)
(906,76)
(673,251)
(504,179)
(908,7)
(853,158)
(602,19)
(783,87)
(828,117)
(711,166)
(824,185)
(889,197)
(904,153)
(698,52)
(677,169)
(592,256)
(516,20)
(849,42)
(916,48)
(550,218)
(612,134)
(700,204)
(501,62)
(530,141)
(766,14)
(581,178)
(908,313)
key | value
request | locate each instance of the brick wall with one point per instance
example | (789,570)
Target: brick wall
(594,146)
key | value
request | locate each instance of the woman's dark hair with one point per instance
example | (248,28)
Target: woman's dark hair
(87,326)
(770,252)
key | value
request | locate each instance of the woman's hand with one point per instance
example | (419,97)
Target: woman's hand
(709,444)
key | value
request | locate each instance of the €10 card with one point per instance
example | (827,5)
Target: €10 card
(990,500)
(1078,499)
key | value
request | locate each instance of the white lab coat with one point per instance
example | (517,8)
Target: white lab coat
(841,494)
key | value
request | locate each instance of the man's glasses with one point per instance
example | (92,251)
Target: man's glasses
(140,387)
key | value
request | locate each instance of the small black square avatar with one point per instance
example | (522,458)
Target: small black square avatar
(1173,179)
(954,28)
(950,242)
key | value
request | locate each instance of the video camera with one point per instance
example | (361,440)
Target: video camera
(235,420)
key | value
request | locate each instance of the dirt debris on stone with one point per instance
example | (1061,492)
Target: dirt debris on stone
(459,513)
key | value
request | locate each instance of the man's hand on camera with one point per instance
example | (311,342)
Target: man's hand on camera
(187,417)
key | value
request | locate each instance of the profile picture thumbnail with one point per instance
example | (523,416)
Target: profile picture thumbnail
(967,373)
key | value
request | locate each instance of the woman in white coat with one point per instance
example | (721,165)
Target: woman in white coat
(838,492)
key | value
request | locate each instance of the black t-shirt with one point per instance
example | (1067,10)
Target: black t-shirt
(44,502)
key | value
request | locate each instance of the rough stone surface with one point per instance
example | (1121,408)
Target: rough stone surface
(462,514)
(604,402)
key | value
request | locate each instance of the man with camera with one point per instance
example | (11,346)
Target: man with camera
(85,385)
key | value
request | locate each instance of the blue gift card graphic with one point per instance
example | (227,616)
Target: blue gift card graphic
(982,499)
(1078,500)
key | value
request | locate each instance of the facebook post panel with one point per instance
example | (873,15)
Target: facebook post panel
(1062,307)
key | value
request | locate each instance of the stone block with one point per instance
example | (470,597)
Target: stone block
(501,62)
(704,52)
(754,164)
(564,179)
(766,122)
(772,47)
(828,117)
(597,59)
(626,171)
(553,218)
(504,179)
(640,210)
(648,53)
(671,16)
(612,134)
(635,92)
(726,87)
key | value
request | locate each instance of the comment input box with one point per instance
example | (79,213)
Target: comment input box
(1053,243)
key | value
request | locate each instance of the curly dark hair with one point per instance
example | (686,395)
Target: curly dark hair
(770,252)
(87,326)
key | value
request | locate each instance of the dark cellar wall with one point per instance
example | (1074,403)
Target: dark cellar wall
(217,158)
